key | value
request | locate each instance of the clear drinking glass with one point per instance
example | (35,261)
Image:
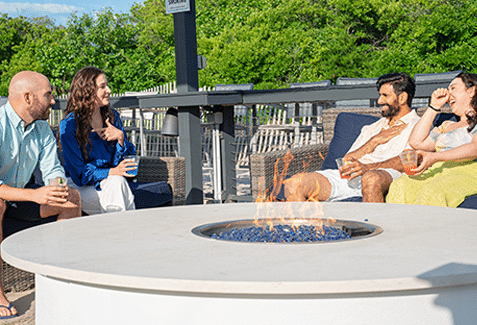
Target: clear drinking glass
(135,159)
(58,181)
(353,183)
(341,162)
(409,161)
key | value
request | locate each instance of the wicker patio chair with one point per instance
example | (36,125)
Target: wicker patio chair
(169,169)
(329,118)
(263,165)
(16,280)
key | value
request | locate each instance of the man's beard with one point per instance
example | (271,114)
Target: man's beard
(40,113)
(393,110)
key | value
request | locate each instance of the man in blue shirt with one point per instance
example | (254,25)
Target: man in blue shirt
(26,141)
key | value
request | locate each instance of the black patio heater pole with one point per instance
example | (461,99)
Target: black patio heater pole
(189,117)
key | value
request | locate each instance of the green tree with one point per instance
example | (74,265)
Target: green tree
(155,40)
(270,47)
(103,41)
(18,46)
(437,36)
(268,43)
(107,40)
(20,61)
(13,32)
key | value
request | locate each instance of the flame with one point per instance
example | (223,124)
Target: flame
(267,212)
(278,178)
(306,164)
(262,192)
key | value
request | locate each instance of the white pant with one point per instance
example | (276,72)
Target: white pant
(115,193)
(340,188)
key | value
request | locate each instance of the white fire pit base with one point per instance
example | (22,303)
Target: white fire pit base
(146,267)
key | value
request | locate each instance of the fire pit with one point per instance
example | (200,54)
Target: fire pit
(286,231)
(421,269)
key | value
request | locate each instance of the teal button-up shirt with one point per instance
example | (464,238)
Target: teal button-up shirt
(22,149)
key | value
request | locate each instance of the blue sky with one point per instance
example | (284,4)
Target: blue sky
(60,10)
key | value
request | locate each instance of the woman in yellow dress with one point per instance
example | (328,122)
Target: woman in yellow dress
(447,173)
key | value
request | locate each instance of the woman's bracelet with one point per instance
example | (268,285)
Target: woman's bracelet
(437,110)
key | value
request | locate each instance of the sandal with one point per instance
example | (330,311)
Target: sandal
(9,307)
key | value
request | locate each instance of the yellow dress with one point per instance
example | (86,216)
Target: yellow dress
(444,183)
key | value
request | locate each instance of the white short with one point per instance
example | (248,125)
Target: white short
(115,192)
(340,188)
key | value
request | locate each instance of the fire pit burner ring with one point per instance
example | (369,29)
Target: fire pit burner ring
(352,229)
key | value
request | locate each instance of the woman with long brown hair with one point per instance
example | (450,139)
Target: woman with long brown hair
(94,145)
(447,173)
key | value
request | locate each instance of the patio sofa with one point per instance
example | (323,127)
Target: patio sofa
(340,127)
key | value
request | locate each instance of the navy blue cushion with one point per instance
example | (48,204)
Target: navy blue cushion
(347,128)
(441,117)
(470,202)
(151,195)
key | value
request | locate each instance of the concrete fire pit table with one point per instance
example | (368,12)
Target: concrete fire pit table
(147,267)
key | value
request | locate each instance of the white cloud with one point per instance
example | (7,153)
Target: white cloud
(36,9)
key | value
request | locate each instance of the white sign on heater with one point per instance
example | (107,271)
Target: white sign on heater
(175,6)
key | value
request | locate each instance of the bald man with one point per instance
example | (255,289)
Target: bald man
(26,140)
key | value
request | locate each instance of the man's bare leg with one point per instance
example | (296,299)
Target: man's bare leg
(304,186)
(68,210)
(3,299)
(375,185)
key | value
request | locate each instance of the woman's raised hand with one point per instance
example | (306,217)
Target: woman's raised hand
(439,97)
(110,133)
